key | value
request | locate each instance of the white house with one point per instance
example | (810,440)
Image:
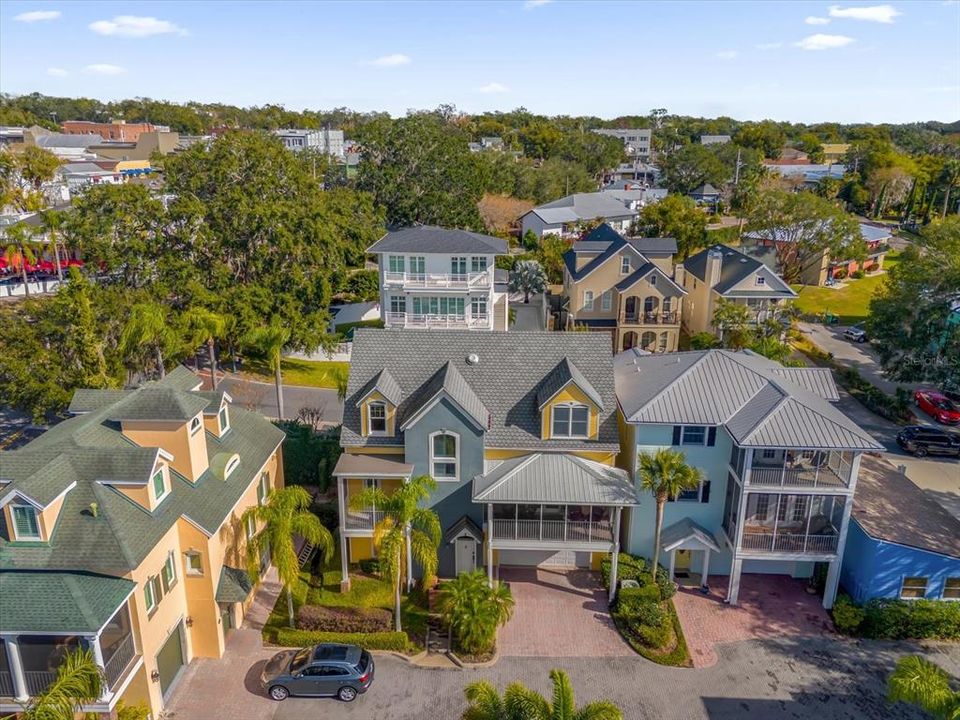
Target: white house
(562,216)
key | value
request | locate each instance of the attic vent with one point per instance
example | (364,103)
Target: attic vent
(473,359)
(743,260)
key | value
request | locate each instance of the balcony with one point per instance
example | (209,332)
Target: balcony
(801,469)
(650,318)
(531,525)
(480,321)
(788,542)
(792,524)
(364,520)
(439,281)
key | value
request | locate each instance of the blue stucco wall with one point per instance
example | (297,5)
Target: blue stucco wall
(451,500)
(875,569)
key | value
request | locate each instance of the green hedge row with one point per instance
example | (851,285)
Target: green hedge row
(634,567)
(898,619)
(398,641)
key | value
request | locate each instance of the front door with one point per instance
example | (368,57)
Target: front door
(681,563)
(226,618)
(466,550)
(170,660)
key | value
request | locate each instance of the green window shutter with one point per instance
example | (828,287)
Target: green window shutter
(158,489)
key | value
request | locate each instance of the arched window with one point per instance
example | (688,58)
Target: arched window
(629,340)
(648,340)
(651,304)
(571,420)
(664,340)
(445,456)
(231,466)
(630,307)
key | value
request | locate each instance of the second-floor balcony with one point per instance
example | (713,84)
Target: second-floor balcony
(478,321)
(364,520)
(650,318)
(532,524)
(444,281)
(791,524)
(801,468)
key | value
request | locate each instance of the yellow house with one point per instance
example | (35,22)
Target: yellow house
(121,532)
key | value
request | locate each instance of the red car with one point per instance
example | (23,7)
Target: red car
(938,406)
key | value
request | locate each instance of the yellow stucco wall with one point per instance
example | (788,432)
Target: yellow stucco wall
(571,393)
(361,548)
(606,458)
(595,559)
(189,450)
(391,413)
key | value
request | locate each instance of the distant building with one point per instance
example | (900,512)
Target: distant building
(706,194)
(563,216)
(118,130)
(142,148)
(486,143)
(637,142)
(714,139)
(634,195)
(835,152)
(329,142)
(10,135)
(60,144)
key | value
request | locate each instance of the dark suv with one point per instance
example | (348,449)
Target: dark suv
(326,670)
(923,440)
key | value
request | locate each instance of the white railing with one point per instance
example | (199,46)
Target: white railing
(439,280)
(805,476)
(119,661)
(480,321)
(6,684)
(789,542)
(362,519)
(600,531)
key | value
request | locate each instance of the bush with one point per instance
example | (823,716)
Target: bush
(641,612)
(629,567)
(369,641)
(308,456)
(847,616)
(857,274)
(911,619)
(473,610)
(370,566)
(649,592)
(667,587)
(655,637)
(344,619)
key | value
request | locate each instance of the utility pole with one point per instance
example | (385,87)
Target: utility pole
(736,175)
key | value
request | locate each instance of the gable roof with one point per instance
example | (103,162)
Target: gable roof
(433,239)
(734,269)
(641,272)
(563,374)
(611,249)
(384,384)
(705,189)
(582,206)
(512,367)
(686,529)
(750,395)
(449,382)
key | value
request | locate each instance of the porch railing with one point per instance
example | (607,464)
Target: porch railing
(38,680)
(789,542)
(439,280)
(553,530)
(419,320)
(121,658)
(833,472)
(363,519)
(6,684)
(650,318)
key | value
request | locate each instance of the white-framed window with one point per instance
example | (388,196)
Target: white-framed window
(913,587)
(588,299)
(458,265)
(763,507)
(570,420)
(26,524)
(951,589)
(169,572)
(444,455)
(263,489)
(159,486)
(251,526)
(478,263)
(693,435)
(606,300)
(800,509)
(761,280)
(667,304)
(769,453)
(152,592)
(396,263)
(196,425)
(398,304)
(624,265)
(478,306)
(224,417)
(418,265)
(231,466)
(194,562)
(376,418)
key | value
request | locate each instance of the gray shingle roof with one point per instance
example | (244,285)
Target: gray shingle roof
(62,602)
(644,270)
(234,585)
(735,268)
(158,403)
(566,372)
(611,250)
(464,524)
(553,478)
(86,400)
(446,381)
(511,368)
(654,245)
(384,384)
(432,239)
(759,404)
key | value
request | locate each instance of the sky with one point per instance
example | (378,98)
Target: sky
(796,61)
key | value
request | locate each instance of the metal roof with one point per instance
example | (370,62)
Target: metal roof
(349,465)
(583,206)
(554,478)
(685,529)
(433,239)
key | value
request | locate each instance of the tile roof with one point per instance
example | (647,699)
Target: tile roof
(760,405)
(59,602)
(432,239)
(566,372)
(734,269)
(555,478)
(511,368)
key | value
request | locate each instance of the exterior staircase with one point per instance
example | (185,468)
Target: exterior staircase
(306,554)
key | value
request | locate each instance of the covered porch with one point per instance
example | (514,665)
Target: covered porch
(553,510)
(679,541)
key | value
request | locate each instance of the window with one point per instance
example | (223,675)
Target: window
(588,300)
(458,265)
(377,417)
(169,573)
(624,265)
(264,489)
(159,488)
(25,524)
(951,588)
(443,456)
(396,263)
(769,453)
(478,306)
(152,592)
(761,280)
(195,425)
(762,508)
(653,280)
(800,509)
(231,466)
(663,342)
(251,527)
(224,420)
(667,304)
(693,435)
(913,587)
(418,265)
(606,300)
(693,494)
(194,562)
(570,421)
(478,264)
(398,304)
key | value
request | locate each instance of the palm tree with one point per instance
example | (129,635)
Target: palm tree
(79,681)
(205,326)
(666,475)
(922,683)
(341,376)
(270,340)
(52,222)
(521,703)
(473,610)
(528,277)
(406,530)
(285,514)
(20,251)
(148,330)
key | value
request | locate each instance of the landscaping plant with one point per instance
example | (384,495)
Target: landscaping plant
(521,703)
(79,681)
(474,610)
(922,683)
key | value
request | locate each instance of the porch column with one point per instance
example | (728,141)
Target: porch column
(706,567)
(407,532)
(673,561)
(94,645)
(733,591)
(833,574)
(20,693)
(341,502)
(616,554)
(490,544)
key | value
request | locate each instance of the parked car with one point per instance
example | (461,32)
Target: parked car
(938,406)
(922,440)
(326,670)
(857,333)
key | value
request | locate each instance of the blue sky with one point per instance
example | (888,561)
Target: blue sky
(800,61)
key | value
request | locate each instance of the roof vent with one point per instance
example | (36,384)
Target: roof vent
(743,260)
(473,359)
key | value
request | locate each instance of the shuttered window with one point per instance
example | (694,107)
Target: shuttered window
(25,522)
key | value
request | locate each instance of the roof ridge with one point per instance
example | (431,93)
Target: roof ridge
(510,473)
(695,363)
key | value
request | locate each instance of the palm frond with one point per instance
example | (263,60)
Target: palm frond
(79,681)
(599,710)
(564,705)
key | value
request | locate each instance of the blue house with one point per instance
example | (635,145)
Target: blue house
(902,543)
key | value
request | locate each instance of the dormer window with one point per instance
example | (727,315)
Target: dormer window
(624,265)
(231,466)
(159,486)
(377,418)
(761,280)
(224,419)
(26,525)
(195,425)
(571,421)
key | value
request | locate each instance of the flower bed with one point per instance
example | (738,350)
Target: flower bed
(344,619)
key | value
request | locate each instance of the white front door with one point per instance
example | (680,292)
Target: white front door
(466,555)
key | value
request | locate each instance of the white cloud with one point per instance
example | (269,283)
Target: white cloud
(727,54)
(391,60)
(135,26)
(769,46)
(57,72)
(104,69)
(814,20)
(494,87)
(824,42)
(532,4)
(37,16)
(872,13)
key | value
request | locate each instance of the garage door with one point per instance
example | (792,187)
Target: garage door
(545,558)
(170,660)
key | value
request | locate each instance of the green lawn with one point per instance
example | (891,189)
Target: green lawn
(850,303)
(312,373)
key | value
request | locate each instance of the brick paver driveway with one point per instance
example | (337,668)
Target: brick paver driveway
(559,613)
(770,606)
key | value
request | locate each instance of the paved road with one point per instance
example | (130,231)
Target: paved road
(254,395)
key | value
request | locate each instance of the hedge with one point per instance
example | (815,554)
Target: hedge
(398,641)
(319,618)
(892,619)
(634,567)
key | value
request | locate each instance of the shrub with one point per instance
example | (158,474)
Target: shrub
(641,612)
(667,587)
(857,274)
(911,619)
(655,637)
(309,456)
(369,641)
(344,619)
(629,567)
(847,616)
(370,566)
(473,610)
(644,592)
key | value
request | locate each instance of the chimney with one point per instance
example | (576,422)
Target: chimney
(714,263)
